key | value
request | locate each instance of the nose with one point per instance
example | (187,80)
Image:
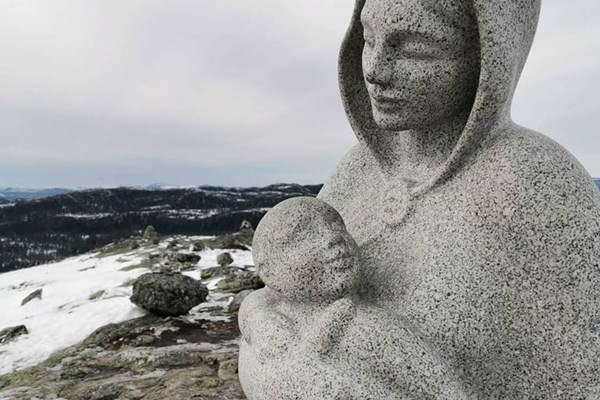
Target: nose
(378,67)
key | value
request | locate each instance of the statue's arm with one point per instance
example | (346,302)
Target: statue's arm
(545,222)
(267,331)
(330,327)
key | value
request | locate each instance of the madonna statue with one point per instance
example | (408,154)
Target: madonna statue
(479,239)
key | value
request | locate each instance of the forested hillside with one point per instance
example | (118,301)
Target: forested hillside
(37,231)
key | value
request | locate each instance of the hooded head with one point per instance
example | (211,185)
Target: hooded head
(424,60)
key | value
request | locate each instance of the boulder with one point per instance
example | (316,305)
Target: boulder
(224,259)
(246,280)
(185,258)
(198,246)
(9,334)
(167,293)
(150,233)
(246,234)
(246,227)
(34,295)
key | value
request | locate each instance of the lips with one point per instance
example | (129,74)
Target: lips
(386,103)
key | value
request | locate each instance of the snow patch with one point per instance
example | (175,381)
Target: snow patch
(84,293)
(68,311)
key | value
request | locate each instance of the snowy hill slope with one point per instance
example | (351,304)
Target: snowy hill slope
(84,293)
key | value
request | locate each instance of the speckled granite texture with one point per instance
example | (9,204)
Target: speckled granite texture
(310,264)
(479,240)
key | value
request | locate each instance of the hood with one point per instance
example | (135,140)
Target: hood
(506,32)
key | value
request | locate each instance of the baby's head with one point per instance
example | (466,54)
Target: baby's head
(302,250)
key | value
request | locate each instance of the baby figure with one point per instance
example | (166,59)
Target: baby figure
(310,265)
(303,252)
(305,255)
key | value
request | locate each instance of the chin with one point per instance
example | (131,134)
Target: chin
(393,121)
(401,121)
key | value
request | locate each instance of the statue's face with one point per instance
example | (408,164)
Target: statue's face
(319,262)
(332,261)
(420,61)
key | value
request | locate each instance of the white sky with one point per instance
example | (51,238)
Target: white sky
(234,92)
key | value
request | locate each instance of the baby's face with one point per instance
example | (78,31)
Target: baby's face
(303,251)
(337,252)
(320,263)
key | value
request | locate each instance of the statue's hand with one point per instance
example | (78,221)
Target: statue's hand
(278,363)
(330,326)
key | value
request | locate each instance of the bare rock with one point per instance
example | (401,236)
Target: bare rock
(168,294)
(214,272)
(246,280)
(198,246)
(185,258)
(224,259)
(9,334)
(150,233)
(34,295)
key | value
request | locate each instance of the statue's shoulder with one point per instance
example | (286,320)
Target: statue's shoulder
(517,155)
(353,170)
(530,171)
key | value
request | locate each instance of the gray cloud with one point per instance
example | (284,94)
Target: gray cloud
(114,92)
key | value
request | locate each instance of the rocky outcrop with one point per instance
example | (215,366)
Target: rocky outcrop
(168,294)
(154,357)
(230,242)
(214,272)
(9,334)
(149,358)
(34,295)
(185,258)
(246,280)
(246,227)
(247,232)
(151,235)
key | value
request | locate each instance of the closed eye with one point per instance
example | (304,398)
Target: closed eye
(415,45)
(420,48)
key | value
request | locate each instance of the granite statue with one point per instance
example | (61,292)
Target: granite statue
(447,228)
(305,255)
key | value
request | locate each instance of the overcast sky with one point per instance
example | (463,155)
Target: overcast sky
(233,92)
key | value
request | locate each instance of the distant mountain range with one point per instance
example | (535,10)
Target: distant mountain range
(37,231)
(13,194)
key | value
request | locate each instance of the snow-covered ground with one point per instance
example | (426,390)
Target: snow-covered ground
(80,294)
